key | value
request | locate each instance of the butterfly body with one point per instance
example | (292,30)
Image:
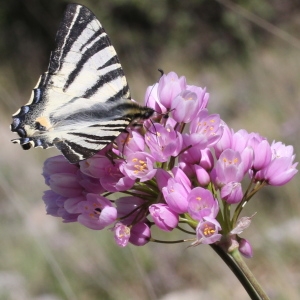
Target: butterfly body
(83,102)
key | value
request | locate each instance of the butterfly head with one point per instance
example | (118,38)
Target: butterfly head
(146,113)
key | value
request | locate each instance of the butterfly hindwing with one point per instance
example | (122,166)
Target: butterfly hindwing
(83,101)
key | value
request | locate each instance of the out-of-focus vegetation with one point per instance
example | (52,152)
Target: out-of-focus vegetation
(253,79)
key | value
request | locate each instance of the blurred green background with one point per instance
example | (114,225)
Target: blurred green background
(247,56)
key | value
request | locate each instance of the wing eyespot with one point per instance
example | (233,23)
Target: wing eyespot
(38,126)
(26,146)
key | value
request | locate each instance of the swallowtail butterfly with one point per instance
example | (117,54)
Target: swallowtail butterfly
(82,103)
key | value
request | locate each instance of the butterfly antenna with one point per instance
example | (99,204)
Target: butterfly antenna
(126,140)
(161,74)
(153,126)
(161,71)
(155,133)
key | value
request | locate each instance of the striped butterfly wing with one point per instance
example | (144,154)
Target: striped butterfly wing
(82,102)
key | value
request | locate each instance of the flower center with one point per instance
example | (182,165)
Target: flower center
(141,165)
(208,230)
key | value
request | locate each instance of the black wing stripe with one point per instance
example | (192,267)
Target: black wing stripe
(98,46)
(109,76)
(86,152)
(94,37)
(123,93)
(73,24)
(112,61)
(112,126)
(94,137)
(74,152)
(100,142)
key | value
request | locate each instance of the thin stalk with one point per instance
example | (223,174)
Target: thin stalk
(247,196)
(226,210)
(242,272)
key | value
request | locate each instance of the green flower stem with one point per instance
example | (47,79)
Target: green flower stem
(167,242)
(237,265)
(247,196)
(151,183)
(226,216)
(186,231)
(171,163)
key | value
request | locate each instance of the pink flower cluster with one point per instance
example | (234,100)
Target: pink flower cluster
(178,168)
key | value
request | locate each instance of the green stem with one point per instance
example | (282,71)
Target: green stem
(186,231)
(226,211)
(237,265)
(151,183)
(247,196)
(167,242)
(241,204)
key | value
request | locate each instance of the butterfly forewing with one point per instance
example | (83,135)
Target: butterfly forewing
(83,102)
(84,61)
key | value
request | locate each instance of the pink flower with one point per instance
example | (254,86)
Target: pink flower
(187,168)
(90,184)
(181,177)
(195,157)
(206,129)
(121,234)
(202,96)
(193,144)
(262,152)
(281,150)
(52,201)
(139,165)
(152,100)
(245,248)
(201,203)
(169,87)
(176,193)
(57,164)
(207,160)
(71,205)
(228,168)
(247,157)
(109,173)
(239,140)
(164,143)
(184,106)
(55,206)
(162,177)
(129,208)
(225,141)
(232,192)
(227,175)
(97,212)
(94,166)
(202,175)
(140,234)
(115,179)
(163,217)
(281,169)
(130,142)
(207,231)
(65,184)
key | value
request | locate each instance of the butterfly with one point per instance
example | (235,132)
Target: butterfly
(82,103)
